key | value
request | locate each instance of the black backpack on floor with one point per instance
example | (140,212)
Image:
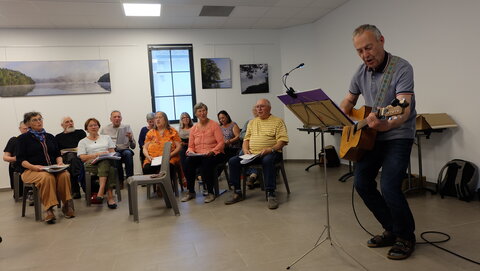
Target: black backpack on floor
(460,180)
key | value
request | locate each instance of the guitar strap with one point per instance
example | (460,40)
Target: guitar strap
(386,79)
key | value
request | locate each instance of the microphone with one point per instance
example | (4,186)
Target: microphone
(290,91)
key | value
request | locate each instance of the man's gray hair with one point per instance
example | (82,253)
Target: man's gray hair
(150,116)
(367,27)
(115,111)
(20,124)
(199,105)
(63,119)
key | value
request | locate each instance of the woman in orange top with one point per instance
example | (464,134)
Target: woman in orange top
(154,141)
(205,151)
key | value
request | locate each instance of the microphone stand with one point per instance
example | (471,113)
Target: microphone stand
(290,91)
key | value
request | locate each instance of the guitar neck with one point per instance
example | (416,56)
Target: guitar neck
(361,124)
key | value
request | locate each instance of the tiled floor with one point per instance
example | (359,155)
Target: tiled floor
(244,236)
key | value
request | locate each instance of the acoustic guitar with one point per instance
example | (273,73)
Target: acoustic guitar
(359,138)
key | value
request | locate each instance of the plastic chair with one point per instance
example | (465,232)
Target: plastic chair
(16,186)
(163,179)
(36,200)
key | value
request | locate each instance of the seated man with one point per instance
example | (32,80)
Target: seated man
(67,143)
(9,156)
(266,135)
(122,137)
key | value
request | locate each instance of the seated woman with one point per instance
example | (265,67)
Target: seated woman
(186,124)
(36,149)
(231,134)
(90,148)
(154,141)
(143,132)
(205,151)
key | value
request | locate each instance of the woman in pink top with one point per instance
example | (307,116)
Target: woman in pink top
(205,151)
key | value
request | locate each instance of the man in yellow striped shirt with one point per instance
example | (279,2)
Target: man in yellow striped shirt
(266,135)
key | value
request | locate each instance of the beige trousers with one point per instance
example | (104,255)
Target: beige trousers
(51,186)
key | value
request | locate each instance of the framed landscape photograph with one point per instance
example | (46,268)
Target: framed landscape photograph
(43,78)
(254,78)
(216,73)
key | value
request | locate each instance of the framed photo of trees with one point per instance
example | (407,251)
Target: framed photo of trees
(254,78)
(216,73)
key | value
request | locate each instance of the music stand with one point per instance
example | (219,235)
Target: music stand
(315,109)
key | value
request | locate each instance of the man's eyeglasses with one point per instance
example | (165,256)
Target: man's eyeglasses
(36,120)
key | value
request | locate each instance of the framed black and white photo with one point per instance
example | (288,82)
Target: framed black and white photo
(254,78)
(44,78)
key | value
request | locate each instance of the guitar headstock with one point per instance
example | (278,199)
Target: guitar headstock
(396,108)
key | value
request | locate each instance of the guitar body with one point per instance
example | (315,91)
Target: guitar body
(355,141)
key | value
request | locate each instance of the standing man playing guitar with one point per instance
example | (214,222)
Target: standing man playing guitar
(380,79)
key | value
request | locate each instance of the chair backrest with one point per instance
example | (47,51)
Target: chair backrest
(166,159)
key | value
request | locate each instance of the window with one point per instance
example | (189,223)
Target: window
(172,79)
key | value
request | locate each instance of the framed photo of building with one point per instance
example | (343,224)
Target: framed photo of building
(216,73)
(254,78)
(44,78)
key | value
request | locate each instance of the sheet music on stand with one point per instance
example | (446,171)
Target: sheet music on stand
(315,109)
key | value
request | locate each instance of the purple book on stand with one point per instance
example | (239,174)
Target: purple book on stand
(315,109)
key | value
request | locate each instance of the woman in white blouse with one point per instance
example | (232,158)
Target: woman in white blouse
(90,148)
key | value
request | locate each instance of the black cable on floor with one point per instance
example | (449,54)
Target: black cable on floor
(422,235)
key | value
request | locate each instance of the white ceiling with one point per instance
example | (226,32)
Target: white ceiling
(176,14)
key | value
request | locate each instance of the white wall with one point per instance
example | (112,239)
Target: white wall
(438,37)
(126,51)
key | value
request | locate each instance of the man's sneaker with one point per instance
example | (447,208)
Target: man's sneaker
(386,239)
(209,198)
(188,197)
(402,249)
(68,209)
(234,198)
(272,202)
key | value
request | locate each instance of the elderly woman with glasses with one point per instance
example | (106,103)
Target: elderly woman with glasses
(35,150)
(205,151)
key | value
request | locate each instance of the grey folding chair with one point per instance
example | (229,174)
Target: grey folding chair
(162,179)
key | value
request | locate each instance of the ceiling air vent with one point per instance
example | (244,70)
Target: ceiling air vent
(218,11)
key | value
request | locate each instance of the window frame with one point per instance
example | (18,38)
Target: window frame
(170,47)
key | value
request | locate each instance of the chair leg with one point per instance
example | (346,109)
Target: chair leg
(88,187)
(129,193)
(243,180)
(118,189)
(134,189)
(284,176)
(16,186)
(38,206)
(168,196)
(24,200)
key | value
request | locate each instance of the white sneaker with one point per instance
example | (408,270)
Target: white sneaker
(188,197)
(209,198)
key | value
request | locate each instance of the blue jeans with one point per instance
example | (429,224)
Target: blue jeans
(268,165)
(127,159)
(390,207)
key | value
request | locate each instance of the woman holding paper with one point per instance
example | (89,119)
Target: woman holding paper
(154,141)
(205,151)
(35,150)
(89,149)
